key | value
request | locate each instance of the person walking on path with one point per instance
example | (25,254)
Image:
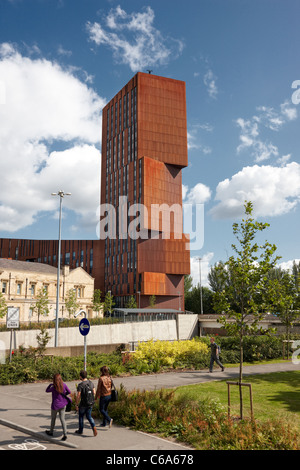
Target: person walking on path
(214,356)
(104,392)
(84,402)
(59,401)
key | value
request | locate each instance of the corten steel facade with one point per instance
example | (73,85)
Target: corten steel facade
(87,254)
(144,148)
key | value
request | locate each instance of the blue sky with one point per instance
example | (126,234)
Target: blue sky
(62,60)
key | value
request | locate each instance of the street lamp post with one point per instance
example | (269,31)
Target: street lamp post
(61,194)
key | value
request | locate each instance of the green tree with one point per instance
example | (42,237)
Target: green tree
(41,305)
(216,278)
(43,338)
(3,306)
(131,303)
(192,300)
(296,274)
(188,284)
(108,303)
(152,301)
(286,303)
(247,293)
(97,303)
(71,302)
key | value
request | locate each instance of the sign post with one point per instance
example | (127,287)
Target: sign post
(12,322)
(84,328)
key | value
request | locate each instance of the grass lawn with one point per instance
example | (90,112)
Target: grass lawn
(275,395)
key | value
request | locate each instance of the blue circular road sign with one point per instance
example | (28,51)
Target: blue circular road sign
(84,326)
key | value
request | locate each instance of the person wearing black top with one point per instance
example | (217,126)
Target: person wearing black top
(214,356)
(84,402)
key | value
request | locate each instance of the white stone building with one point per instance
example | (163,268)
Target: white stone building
(21,282)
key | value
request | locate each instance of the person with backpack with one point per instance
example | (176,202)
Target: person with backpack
(84,402)
(214,356)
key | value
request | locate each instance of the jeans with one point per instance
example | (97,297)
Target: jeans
(212,360)
(62,419)
(87,411)
(103,405)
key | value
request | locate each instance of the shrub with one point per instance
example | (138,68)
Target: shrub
(202,424)
(256,348)
(166,354)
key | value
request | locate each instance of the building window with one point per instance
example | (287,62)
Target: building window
(4,287)
(32,289)
(108,124)
(79,290)
(19,288)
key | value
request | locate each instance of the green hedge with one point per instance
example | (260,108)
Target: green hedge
(26,368)
(256,348)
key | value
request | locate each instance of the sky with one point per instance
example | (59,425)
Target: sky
(61,61)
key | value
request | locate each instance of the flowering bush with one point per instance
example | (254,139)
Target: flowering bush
(190,353)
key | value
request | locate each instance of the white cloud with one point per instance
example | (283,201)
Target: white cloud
(133,39)
(210,83)
(272,190)
(75,170)
(194,140)
(63,52)
(266,118)
(185,189)
(204,268)
(46,108)
(290,112)
(288,265)
(199,194)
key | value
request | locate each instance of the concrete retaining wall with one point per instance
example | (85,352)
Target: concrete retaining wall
(184,327)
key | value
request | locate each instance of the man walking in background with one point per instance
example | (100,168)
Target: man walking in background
(214,357)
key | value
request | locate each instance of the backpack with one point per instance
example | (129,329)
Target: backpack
(87,394)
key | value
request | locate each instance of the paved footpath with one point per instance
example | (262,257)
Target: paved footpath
(25,413)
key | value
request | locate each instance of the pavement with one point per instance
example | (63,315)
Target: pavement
(25,413)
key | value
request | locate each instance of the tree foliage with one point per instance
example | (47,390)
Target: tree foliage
(286,298)
(71,302)
(3,306)
(247,293)
(131,303)
(192,300)
(109,303)
(41,305)
(97,302)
